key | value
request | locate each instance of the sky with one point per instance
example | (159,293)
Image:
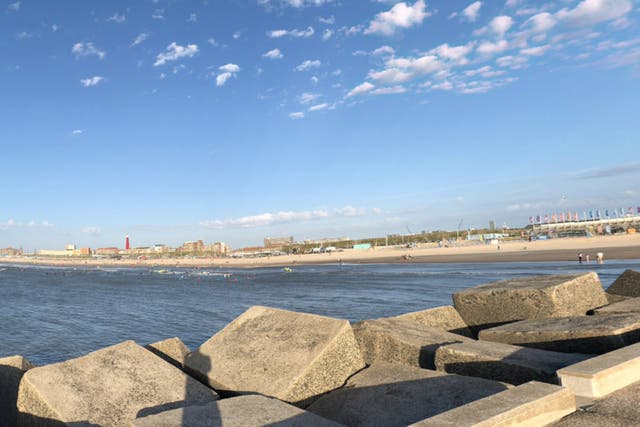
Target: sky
(234,120)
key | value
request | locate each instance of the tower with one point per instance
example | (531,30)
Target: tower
(127,246)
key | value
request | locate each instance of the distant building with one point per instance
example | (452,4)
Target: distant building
(327,240)
(276,242)
(492,225)
(108,252)
(10,252)
(218,249)
(160,248)
(192,247)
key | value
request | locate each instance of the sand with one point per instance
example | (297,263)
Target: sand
(613,247)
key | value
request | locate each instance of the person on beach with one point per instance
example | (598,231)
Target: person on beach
(580,258)
(600,258)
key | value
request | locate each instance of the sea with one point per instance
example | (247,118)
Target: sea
(50,314)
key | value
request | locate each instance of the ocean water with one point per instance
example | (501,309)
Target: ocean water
(53,314)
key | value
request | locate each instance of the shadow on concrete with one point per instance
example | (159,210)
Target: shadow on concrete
(588,345)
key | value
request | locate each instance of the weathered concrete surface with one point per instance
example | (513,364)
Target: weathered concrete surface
(503,362)
(620,408)
(279,353)
(529,405)
(602,375)
(631,305)
(534,297)
(242,411)
(395,395)
(172,350)
(613,298)
(108,387)
(582,334)
(397,340)
(445,317)
(628,284)
(11,371)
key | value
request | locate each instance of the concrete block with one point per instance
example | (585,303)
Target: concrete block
(613,298)
(445,317)
(397,340)
(534,297)
(291,356)
(591,419)
(396,395)
(628,284)
(622,404)
(532,404)
(109,387)
(630,305)
(172,350)
(503,362)
(11,371)
(242,411)
(602,375)
(582,334)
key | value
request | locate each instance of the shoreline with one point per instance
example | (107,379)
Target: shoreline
(625,247)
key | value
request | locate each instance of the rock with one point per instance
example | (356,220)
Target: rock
(534,297)
(242,411)
(287,355)
(630,305)
(172,350)
(503,362)
(395,395)
(11,371)
(445,317)
(397,340)
(109,387)
(582,334)
(531,404)
(628,284)
(613,298)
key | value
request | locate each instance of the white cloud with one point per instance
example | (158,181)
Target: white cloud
(327,34)
(308,98)
(591,12)
(175,52)
(542,22)
(308,65)
(14,7)
(94,231)
(293,3)
(12,224)
(383,50)
(350,211)
(297,115)
(319,107)
(497,26)
(118,19)
(274,54)
(276,34)
(472,11)
(399,16)
(192,18)
(453,53)
(328,21)
(360,89)
(266,219)
(139,39)
(77,132)
(87,49)
(158,14)
(535,51)
(490,48)
(92,81)
(390,75)
(227,71)
(391,90)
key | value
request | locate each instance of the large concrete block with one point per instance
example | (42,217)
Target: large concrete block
(582,334)
(396,395)
(631,305)
(628,284)
(532,404)
(11,371)
(287,355)
(397,340)
(602,375)
(172,350)
(242,411)
(445,317)
(109,387)
(591,419)
(503,362)
(533,297)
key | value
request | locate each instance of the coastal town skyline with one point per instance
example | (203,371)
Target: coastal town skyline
(235,120)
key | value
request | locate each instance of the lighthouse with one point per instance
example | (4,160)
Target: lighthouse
(127,246)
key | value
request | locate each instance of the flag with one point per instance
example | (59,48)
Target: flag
(561,216)
(530,220)
(546,218)
(554,218)
(576,217)
(590,214)
(606,213)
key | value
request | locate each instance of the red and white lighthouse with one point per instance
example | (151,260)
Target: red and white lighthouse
(127,246)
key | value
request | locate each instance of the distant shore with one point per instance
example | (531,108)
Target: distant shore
(624,247)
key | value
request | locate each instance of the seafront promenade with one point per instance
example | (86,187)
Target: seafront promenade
(527,351)
(565,249)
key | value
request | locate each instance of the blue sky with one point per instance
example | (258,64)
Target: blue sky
(235,120)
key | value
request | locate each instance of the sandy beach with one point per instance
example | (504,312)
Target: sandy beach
(613,247)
